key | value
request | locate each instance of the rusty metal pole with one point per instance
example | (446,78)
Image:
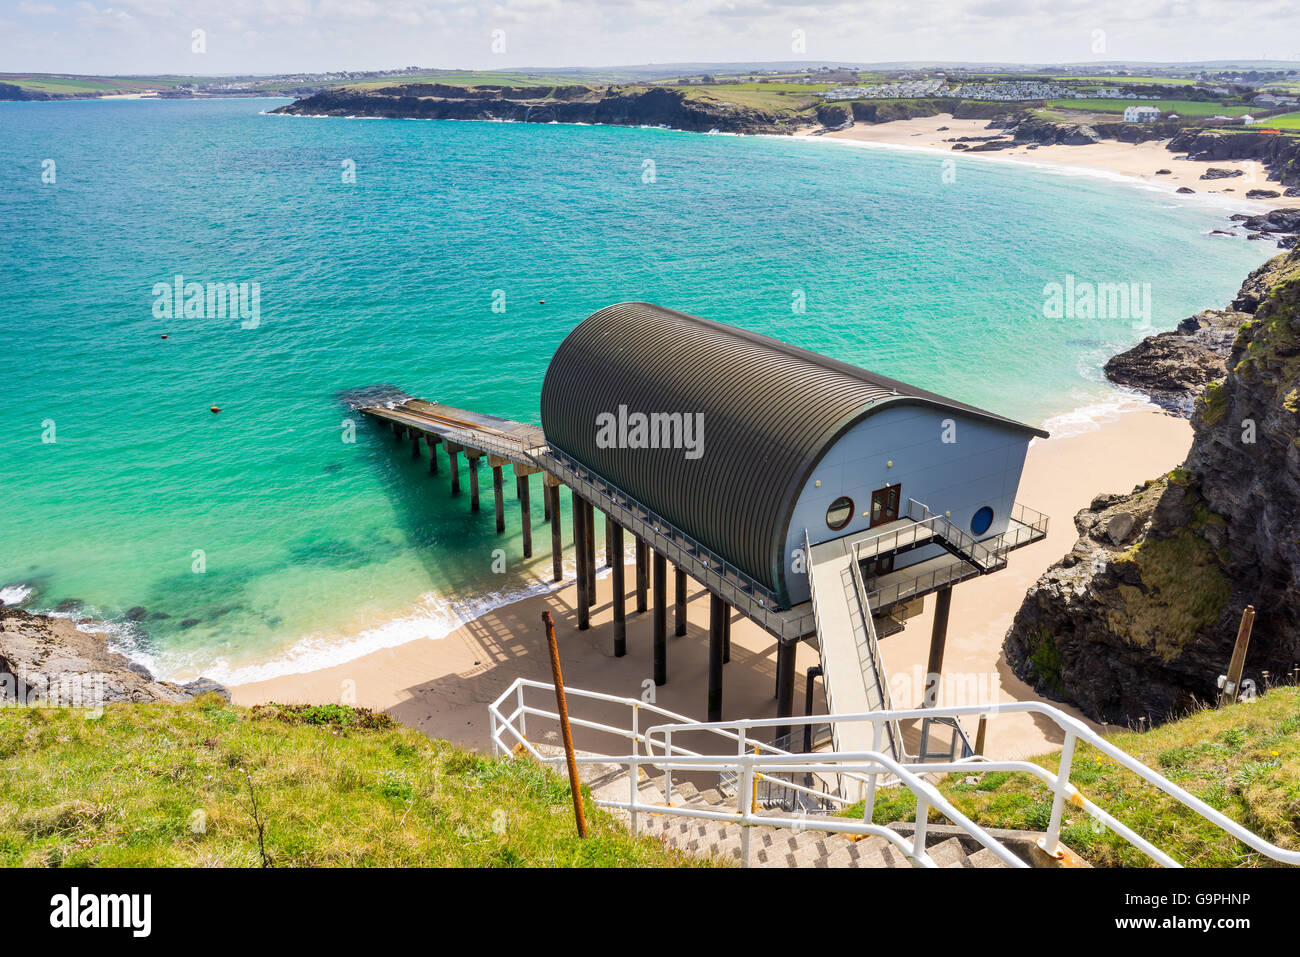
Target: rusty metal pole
(563,708)
(1232,684)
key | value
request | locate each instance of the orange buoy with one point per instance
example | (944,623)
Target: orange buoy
(542,301)
(164,335)
(216,409)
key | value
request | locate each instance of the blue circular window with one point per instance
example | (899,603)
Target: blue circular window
(982,520)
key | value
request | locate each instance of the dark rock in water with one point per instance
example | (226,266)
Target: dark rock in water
(1262,194)
(1219,232)
(205,686)
(190,622)
(1140,618)
(1255,236)
(159,616)
(1291,191)
(1275,221)
(334,467)
(1164,172)
(1218,172)
(1172,368)
(1184,189)
(140,669)
(138,613)
(69,606)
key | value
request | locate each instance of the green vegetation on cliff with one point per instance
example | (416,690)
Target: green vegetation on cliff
(177,785)
(1243,760)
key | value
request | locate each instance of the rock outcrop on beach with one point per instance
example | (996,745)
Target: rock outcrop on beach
(1139,619)
(1173,368)
(656,106)
(48,660)
(1279,152)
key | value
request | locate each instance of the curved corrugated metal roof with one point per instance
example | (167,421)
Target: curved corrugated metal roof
(770,412)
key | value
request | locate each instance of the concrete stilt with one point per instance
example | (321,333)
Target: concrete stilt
(784,683)
(938,641)
(551,488)
(590,522)
(642,573)
(620,597)
(661,620)
(433,453)
(726,636)
(453,450)
(580,554)
(717,615)
(415,444)
(472,457)
(499,495)
(546,505)
(525,514)
(680,583)
(609,541)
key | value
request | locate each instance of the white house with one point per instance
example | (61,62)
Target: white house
(1141,114)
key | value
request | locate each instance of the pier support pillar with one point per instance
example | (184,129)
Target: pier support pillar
(498,494)
(415,444)
(453,450)
(642,573)
(551,490)
(472,457)
(590,522)
(580,556)
(433,441)
(726,635)
(620,596)
(717,615)
(398,430)
(785,653)
(609,541)
(546,503)
(680,583)
(661,619)
(938,640)
(525,512)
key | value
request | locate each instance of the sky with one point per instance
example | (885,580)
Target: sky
(287,36)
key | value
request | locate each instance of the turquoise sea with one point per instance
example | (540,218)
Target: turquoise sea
(314,549)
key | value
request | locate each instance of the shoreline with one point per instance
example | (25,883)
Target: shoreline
(442,686)
(1132,163)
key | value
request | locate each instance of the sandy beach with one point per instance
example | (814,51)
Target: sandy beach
(443,686)
(1138,161)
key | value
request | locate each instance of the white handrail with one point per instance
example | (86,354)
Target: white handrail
(747,765)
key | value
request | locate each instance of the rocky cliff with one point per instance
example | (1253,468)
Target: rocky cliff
(1139,619)
(1173,368)
(47,661)
(656,106)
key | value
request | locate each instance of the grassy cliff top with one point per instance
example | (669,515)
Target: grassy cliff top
(175,785)
(1243,760)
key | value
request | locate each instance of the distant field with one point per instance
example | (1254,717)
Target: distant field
(1181,107)
(794,97)
(1129,80)
(1286,121)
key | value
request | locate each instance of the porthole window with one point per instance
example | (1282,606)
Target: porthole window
(982,520)
(840,512)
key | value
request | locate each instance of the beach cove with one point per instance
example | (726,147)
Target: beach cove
(336,551)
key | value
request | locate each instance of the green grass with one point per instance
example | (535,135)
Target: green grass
(1284,121)
(1183,108)
(1242,760)
(169,785)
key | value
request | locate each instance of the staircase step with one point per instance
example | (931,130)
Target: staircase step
(948,853)
(985,858)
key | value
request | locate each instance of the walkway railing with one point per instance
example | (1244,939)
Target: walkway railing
(653,747)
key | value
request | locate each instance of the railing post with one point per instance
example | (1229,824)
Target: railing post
(492,718)
(633,767)
(869,805)
(668,771)
(743,798)
(523,717)
(922,822)
(1051,841)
